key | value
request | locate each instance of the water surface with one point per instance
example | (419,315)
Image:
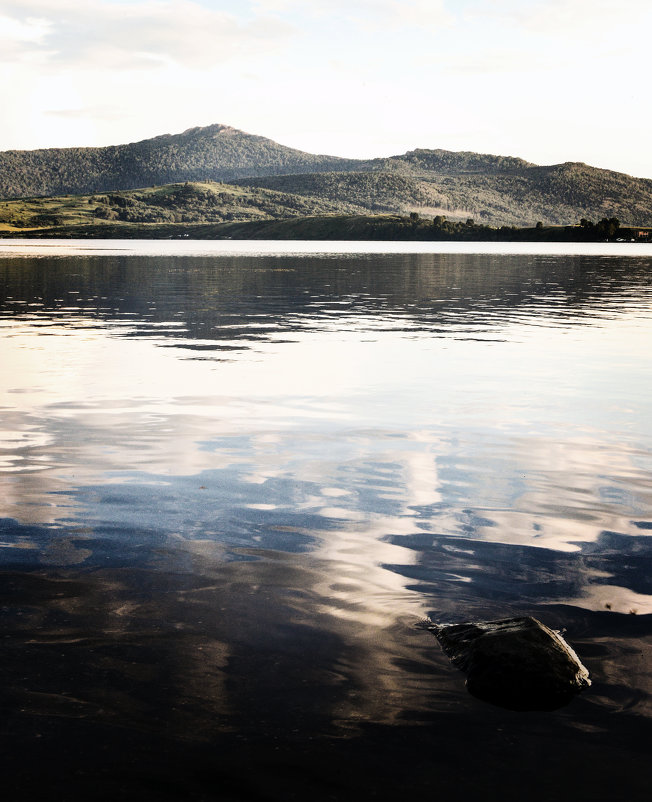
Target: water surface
(234,477)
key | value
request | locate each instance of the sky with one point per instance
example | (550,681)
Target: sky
(547,80)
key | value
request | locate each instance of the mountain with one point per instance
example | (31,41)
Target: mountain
(215,152)
(494,190)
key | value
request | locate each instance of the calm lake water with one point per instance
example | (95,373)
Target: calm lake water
(235,476)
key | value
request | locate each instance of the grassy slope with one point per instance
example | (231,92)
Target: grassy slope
(199,202)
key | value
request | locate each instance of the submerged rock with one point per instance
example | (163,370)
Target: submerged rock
(517,663)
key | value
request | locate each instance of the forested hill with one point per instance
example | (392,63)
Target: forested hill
(215,152)
(493,190)
(449,162)
(517,195)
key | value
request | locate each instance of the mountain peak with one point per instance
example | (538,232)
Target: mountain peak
(216,128)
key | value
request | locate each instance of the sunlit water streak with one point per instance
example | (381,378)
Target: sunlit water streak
(261,471)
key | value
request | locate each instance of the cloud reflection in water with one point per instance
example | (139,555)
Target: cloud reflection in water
(262,477)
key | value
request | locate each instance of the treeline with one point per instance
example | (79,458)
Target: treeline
(439,228)
(353,227)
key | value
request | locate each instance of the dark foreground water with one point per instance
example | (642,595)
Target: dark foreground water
(230,487)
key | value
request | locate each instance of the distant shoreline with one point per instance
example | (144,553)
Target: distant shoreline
(344,227)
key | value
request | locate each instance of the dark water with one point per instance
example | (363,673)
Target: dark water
(231,487)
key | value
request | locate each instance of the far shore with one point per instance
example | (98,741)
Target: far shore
(344,227)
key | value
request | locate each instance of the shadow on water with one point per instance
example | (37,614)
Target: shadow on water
(135,684)
(232,487)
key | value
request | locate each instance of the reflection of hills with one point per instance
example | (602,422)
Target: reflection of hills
(239,300)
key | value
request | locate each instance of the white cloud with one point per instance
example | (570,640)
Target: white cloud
(564,18)
(575,43)
(131,35)
(575,16)
(102,113)
(368,13)
(29,30)
(21,37)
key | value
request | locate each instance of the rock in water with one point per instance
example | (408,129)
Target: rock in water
(517,663)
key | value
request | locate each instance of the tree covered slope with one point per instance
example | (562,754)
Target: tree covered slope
(557,195)
(215,152)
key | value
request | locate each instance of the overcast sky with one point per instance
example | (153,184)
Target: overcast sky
(547,80)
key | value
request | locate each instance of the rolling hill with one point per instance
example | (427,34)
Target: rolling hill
(190,202)
(493,190)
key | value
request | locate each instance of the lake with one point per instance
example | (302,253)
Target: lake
(236,476)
